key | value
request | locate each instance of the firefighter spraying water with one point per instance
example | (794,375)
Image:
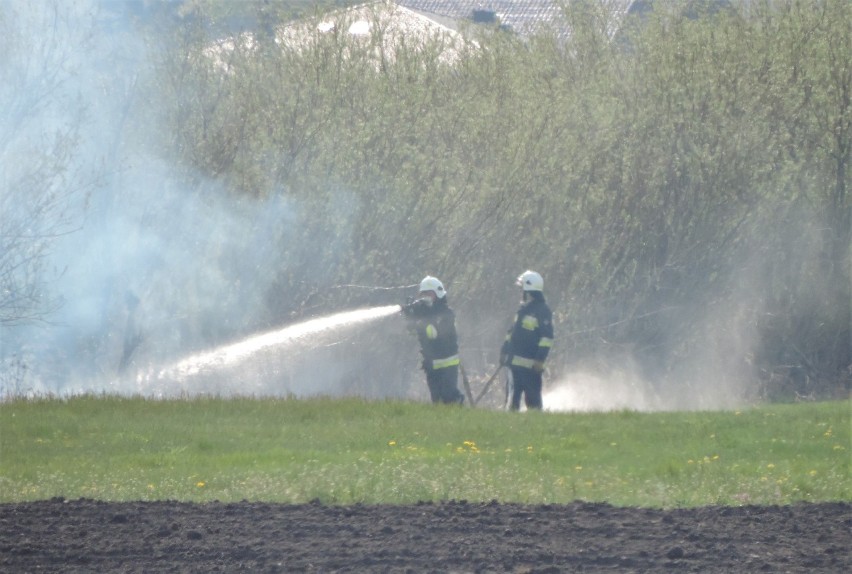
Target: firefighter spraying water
(432,320)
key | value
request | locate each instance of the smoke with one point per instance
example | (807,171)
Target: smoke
(708,368)
(717,363)
(584,391)
(703,384)
(150,268)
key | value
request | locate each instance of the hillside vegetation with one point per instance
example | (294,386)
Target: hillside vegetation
(683,187)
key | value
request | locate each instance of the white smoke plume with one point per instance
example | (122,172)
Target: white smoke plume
(151,269)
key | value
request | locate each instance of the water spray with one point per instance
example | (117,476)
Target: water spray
(235,353)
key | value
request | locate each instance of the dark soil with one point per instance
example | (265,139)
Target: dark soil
(92,536)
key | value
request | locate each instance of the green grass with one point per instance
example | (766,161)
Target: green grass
(349,450)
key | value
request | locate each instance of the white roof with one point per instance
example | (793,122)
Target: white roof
(386,23)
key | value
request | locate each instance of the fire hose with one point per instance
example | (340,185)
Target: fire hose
(487,385)
(466,386)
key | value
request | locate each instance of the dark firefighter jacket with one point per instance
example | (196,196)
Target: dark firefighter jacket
(531,337)
(435,326)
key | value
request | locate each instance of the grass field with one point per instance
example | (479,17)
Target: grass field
(343,451)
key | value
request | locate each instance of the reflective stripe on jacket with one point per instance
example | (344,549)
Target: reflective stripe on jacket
(444,363)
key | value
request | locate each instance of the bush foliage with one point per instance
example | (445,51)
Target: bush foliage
(682,184)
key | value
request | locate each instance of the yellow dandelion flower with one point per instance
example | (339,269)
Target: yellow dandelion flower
(200,484)
(770,466)
(391,443)
(813,473)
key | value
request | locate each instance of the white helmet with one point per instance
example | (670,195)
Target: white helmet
(430,283)
(530,281)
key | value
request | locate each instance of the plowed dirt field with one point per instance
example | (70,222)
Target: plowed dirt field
(91,536)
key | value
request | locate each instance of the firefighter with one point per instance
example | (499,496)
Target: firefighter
(528,343)
(435,325)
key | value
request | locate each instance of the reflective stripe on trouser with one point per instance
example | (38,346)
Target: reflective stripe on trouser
(522,362)
(444,363)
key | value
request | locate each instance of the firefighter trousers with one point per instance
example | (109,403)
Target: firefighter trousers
(443,385)
(525,382)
